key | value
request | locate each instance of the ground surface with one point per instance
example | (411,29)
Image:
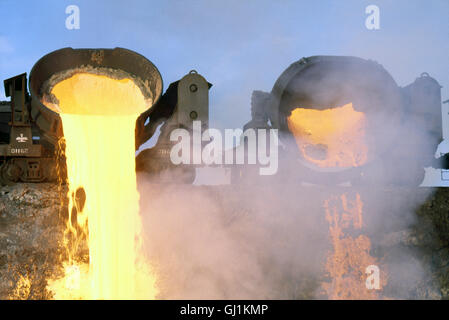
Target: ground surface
(432,232)
(30,230)
(29,233)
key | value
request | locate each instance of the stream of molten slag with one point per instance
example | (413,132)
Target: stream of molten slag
(329,138)
(350,257)
(99,115)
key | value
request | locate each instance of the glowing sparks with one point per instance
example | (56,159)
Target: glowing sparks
(350,256)
(22,289)
(330,138)
(99,115)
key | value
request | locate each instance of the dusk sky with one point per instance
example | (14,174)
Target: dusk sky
(238,45)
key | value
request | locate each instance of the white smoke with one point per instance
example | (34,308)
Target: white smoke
(268,238)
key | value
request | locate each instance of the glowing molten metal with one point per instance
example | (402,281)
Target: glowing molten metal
(99,115)
(331,137)
(350,255)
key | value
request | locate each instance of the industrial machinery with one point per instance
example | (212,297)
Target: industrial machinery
(394,124)
(31,132)
(379,116)
(185,101)
(22,157)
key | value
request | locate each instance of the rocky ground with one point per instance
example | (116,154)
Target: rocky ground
(30,231)
(431,235)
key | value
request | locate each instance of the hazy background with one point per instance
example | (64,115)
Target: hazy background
(239,45)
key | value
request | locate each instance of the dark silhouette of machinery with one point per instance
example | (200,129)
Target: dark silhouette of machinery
(22,157)
(30,132)
(409,116)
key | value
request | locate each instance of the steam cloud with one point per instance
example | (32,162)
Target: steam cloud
(270,240)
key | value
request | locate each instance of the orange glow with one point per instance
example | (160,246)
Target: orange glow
(330,138)
(99,115)
(350,256)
